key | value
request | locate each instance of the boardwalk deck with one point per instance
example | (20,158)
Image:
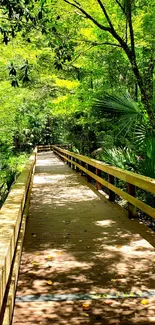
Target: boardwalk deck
(79,243)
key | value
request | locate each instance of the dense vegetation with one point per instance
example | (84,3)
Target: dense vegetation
(79,73)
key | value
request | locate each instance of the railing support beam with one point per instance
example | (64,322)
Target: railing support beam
(83,165)
(73,166)
(77,168)
(111,193)
(88,176)
(69,163)
(98,185)
(131,207)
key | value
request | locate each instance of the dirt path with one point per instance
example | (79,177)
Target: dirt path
(76,243)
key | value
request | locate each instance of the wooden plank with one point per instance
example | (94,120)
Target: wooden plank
(143,182)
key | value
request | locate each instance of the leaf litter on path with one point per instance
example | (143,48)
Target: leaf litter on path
(49,282)
(86,307)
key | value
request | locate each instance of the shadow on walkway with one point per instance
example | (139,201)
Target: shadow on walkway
(79,243)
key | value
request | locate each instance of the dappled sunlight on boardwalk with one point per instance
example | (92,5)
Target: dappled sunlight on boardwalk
(79,243)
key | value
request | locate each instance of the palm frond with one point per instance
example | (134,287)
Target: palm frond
(140,134)
(114,105)
(147,163)
(123,109)
(144,137)
(123,158)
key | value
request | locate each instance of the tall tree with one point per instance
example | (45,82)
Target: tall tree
(127,43)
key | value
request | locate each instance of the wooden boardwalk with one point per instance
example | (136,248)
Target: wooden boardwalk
(78,246)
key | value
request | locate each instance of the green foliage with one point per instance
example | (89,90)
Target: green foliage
(147,166)
(54,62)
(10,166)
(122,108)
(123,158)
(127,113)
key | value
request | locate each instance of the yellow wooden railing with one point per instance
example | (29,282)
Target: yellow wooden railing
(47,147)
(133,180)
(12,228)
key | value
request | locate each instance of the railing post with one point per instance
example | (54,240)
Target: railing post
(73,166)
(83,165)
(69,163)
(98,185)
(131,207)
(88,177)
(77,168)
(111,193)
(67,160)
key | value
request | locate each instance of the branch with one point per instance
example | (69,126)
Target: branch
(124,12)
(107,29)
(105,43)
(93,44)
(126,31)
(113,32)
(131,30)
(110,29)
(123,9)
(78,13)
(77,56)
(105,13)
(77,3)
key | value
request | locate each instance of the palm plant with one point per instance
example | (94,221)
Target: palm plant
(123,158)
(132,121)
(123,108)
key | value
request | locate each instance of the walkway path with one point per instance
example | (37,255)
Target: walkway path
(79,243)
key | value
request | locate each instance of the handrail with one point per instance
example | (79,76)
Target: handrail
(132,179)
(47,147)
(10,224)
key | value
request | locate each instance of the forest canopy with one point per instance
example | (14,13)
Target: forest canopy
(78,72)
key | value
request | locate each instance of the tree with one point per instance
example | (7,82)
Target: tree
(127,8)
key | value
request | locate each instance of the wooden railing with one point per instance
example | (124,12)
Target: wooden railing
(12,228)
(47,147)
(14,211)
(133,180)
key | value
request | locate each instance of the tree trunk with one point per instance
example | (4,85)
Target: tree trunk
(145,88)
(136,92)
